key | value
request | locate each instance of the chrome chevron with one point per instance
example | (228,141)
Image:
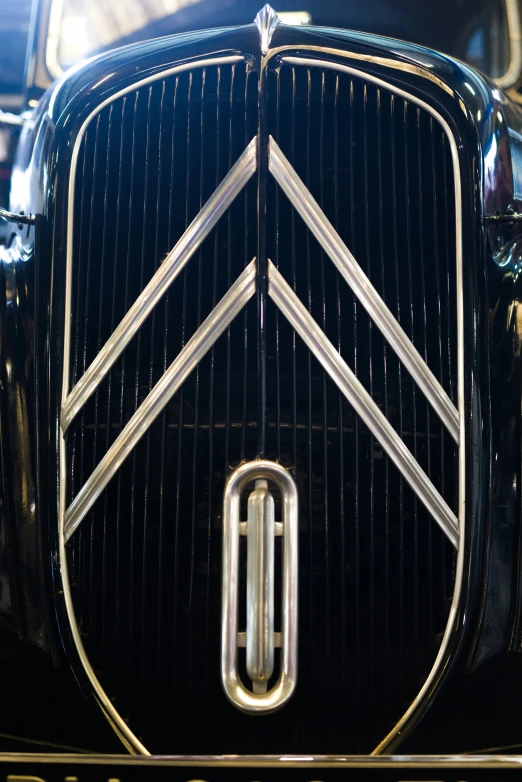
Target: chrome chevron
(303,323)
(230,305)
(266,22)
(200,227)
(346,264)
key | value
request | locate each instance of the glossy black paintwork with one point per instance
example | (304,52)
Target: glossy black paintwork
(32,325)
(425,24)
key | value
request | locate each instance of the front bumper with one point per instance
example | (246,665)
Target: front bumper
(396,768)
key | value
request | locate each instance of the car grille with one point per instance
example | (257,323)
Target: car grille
(376,573)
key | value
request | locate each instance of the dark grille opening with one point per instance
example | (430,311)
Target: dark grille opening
(376,573)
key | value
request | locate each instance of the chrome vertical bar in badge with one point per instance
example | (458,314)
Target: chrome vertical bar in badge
(261,636)
(260,587)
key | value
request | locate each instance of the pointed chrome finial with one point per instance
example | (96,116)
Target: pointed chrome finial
(266,21)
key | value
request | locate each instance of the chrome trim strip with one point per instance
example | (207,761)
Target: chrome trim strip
(200,227)
(210,330)
(373,59)
(403,762)
(234,688)
(335,66)
(335,248)
(332,362)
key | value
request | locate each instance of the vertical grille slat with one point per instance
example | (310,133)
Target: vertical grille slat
(79,573)
(310,467)
(249,84)
(149,166)
(115,633)
(386,646)
(90,273)
(375,573)
(276,242)
(211,500)
(324,414)
(356,495)
(341,402)
(164,196)
(139,520)
(177,443)
(155,589)
(104,242)
(422,257)
(407,110)
(400,392)
(371,446)
(294,283)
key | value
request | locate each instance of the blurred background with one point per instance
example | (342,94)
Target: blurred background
(470,29)
(476,31)
(40,39)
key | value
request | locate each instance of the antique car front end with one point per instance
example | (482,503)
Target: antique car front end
(260,421)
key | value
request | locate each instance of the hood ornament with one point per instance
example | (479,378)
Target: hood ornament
(266,21)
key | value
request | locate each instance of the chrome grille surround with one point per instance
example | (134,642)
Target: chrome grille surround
(73,400)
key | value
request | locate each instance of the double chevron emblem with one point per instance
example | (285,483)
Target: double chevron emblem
(260,528)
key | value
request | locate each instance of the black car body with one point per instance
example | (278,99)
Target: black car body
(410,159)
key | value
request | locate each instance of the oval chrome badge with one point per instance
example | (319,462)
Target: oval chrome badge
(260,637)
